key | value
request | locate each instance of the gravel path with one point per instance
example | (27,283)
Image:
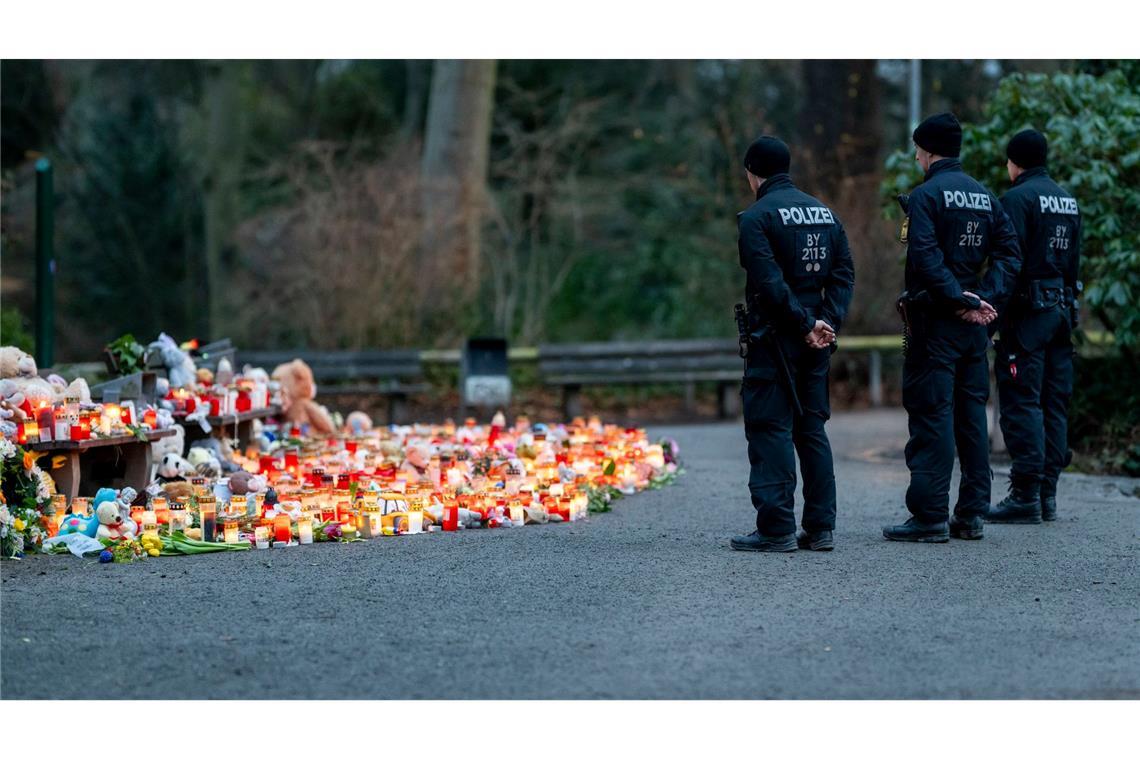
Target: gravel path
(643,602)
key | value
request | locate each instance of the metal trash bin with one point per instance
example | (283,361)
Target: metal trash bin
(484,376)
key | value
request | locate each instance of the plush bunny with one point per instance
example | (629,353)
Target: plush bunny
(179,366)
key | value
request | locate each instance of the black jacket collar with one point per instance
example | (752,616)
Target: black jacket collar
(775,182)
(943,165)
(1028,174)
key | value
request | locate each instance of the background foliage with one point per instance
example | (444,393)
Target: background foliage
(1092,120)
(209,198)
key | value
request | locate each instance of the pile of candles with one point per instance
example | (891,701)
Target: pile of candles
(71,420)
(417,480)
(405,481)
(244,394)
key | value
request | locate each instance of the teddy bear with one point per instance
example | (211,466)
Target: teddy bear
(244,482)
(16,363)
(358,423)
(222,451)
(179,366)
(111,523)
(204,462)
(297,393)
(20,375)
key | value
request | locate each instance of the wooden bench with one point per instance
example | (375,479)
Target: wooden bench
(392,374)
(686,362)
(83,467)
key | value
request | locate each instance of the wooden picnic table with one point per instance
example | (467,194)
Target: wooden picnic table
(80,468)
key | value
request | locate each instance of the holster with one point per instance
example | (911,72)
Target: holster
(914,310)
(758,334)
(1043,295)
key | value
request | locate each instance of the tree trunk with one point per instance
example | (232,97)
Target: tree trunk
(840,124)
(224,151)
(454,167)
(417,74)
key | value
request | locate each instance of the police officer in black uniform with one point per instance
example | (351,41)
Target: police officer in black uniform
(799,285)
(955,226)
(1035,353)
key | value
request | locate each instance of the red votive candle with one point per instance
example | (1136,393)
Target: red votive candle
(282,529)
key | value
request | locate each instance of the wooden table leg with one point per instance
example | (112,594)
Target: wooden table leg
(66,477)
(138,461)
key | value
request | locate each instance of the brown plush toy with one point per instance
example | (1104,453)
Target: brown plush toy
(297,393)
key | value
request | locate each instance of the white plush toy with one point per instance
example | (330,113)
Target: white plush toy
(204,462)
(112,524)
(179,366)
(174,467)
(225,374)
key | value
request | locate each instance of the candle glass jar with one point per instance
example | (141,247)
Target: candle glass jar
(230,532)
(150,524)
(208,516)
(261,536)
(305,530)
(282,529)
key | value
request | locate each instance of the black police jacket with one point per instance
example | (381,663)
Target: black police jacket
(795,252)
(956,224)
(1048,225)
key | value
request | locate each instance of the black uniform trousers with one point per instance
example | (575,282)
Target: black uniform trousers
(1035,381)
(945,388)
(774,429)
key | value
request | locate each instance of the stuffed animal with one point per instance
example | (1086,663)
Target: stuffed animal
(204,462)
(225,373)
(179,491)
(222,451)
(358,423)
(170,445)
(256,374)
(111,523)
(179,366)
(244,482)
(16,363)
(87,525)
(18,374)
(297,393)
(172,467)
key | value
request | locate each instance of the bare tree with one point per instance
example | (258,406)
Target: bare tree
(454,164)
(337,267)
(538,217)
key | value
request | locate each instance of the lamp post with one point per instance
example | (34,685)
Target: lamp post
(45,265)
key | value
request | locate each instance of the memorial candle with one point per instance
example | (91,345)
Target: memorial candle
(305,530)
(261,536)
(208,516)
(161,509)
(282,529)
(230,532)
(149,524)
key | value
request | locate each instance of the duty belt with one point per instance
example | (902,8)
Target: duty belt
(1042,294)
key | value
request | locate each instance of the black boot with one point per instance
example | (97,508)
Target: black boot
(1049,508)
(754,542)
(968,528)
(1021,507)
(816,541)
(916,530)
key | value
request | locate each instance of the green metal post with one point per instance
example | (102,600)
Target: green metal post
(45,265)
